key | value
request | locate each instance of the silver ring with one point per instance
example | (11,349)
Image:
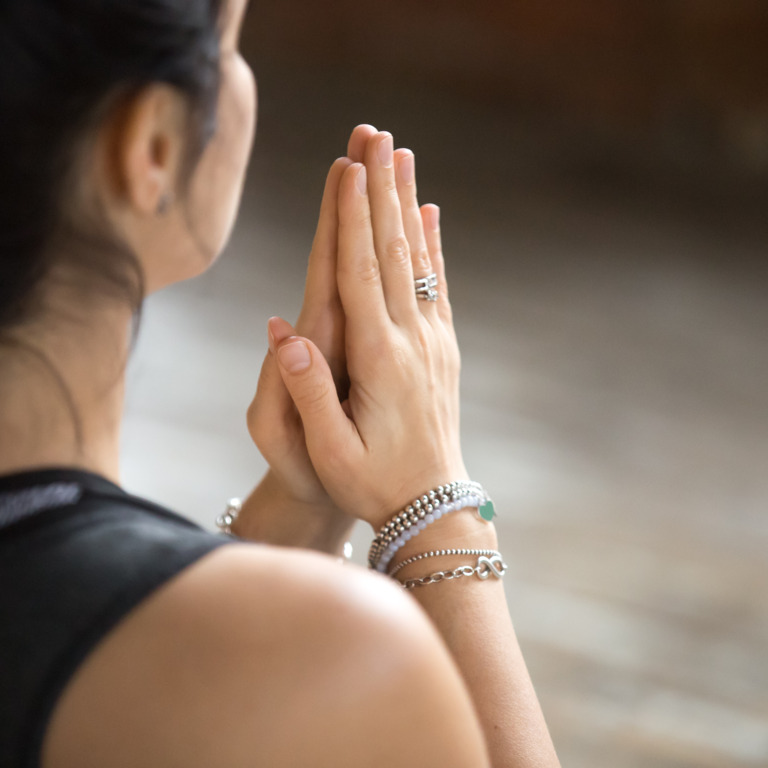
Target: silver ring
(426,288)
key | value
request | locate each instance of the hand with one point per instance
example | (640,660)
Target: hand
(291,484)
(273,422)
(398,433)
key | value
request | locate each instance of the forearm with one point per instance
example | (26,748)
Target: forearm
(271,516)
(474,620)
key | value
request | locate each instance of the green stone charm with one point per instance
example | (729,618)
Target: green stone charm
(487,512)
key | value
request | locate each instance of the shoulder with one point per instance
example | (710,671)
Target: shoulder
(266,656)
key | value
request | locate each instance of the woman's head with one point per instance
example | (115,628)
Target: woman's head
(125,127)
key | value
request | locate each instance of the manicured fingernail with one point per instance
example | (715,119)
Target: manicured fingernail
(362,181)
(294,357)
(407,168)
(278,330)
(386,151)
(433,217)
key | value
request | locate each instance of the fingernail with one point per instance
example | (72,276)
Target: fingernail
(362,181)
(277,330)
(294,356)
(433,217)
(407,168)
(386,151)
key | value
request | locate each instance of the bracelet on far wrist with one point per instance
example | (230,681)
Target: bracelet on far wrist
(271,516)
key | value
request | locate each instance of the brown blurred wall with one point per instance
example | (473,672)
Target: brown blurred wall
(649,68)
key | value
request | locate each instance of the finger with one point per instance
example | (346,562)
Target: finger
(271,415)
(413,223)
(327,429)
(271,409)
(358,142)
(321,287)
(430,216)
(321,315)
(278,330)
(359,275)
(389,237)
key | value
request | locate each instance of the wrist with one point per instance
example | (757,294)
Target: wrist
(433,506)
(272,514)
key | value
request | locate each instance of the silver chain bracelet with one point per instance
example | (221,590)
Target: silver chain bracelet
(441,553)
(486,566)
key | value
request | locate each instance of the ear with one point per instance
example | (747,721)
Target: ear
(147,148)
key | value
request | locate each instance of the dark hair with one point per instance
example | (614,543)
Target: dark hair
(64,65)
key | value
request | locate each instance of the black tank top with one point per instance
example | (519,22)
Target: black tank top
(77,554)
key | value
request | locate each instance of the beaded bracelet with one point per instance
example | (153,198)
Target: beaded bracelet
(440,553)
(227,518)
(486,566)
(424,511)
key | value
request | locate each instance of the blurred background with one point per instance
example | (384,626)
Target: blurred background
(602,168)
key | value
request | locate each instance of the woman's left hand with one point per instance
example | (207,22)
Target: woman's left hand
(290,505)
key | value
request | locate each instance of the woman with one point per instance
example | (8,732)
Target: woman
(129,637)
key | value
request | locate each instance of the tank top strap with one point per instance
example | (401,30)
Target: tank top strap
(77,554)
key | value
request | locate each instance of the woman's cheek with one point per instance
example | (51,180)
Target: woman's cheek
(238,110)
(218,182)
(237,125)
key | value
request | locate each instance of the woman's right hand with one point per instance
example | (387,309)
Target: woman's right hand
(397,435)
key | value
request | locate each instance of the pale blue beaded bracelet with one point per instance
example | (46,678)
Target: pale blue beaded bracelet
(423,512)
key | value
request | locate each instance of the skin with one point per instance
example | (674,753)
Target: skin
(384,241)
(270,659)
(267,655)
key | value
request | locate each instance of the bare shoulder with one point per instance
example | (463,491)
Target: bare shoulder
(259,656)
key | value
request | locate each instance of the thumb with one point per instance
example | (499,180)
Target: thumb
(270,413)
(309,381)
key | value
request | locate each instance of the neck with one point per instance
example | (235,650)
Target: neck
(61,393)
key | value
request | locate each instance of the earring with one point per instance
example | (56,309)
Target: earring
(164,204)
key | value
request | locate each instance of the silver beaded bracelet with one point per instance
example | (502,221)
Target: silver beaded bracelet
(424,511)
(486,566)
(226,519)
(440,553)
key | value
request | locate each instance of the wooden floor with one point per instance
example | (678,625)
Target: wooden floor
(615,401)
